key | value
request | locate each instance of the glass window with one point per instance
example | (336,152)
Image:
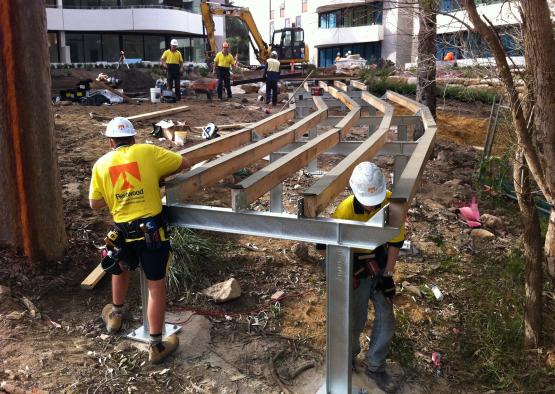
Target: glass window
(92,47)
(305,6)
(272,28)
(110,47)
(133,46)
(53,47)
(348,17)
(299,36)
(51,3)
(108,3)
(287,38)
(71,3)
(75,43)
(324,21)
(298,21)
(287,22)
(197,49)
(184,46)
(332,20)
(154,46)
(272,14)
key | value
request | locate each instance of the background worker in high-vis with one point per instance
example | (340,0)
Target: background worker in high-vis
(373,272)
(173,61)
(222,65)
(126,180)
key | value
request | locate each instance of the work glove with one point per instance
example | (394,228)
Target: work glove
(387,286)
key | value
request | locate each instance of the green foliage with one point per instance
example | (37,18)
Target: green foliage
(203,71)
(195,259)
(238,39)
(465,94)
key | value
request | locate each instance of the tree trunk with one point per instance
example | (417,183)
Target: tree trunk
(533,254)
(426,66)
(31,209)
(539,54)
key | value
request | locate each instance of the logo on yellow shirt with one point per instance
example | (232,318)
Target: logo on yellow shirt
(125,170)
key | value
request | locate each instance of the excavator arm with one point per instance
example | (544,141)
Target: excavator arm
(209,9)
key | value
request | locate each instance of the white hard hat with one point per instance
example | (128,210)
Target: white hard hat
(274,53)
(174,42)
(120,127)
(368,184)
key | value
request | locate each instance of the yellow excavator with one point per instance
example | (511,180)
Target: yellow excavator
(288,42)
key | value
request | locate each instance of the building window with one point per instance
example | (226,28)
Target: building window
(305,6)
(197,49)
(282,9)
(371,51)
(287,22)
(272,14)
(133,46)
(53,48)
(370,14)
(272,29)
(110,47)
(92,47)
(298,21)
(51,3)
(154,46)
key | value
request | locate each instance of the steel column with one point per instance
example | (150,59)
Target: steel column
(276,194)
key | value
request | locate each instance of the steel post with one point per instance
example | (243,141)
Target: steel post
(276,194)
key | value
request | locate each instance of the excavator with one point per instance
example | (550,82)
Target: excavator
(288,42)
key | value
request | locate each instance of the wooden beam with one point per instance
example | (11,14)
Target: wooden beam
(341,86)
(414,106)
(319,195)
(319,102)
(208,149)
(227,126)
(359,85)
(273,174)
(93,278)
(187,184)
(157,114)
(376,102)
(347,123)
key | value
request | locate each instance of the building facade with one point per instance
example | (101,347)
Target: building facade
(374,29)
(453,36)
(90,31)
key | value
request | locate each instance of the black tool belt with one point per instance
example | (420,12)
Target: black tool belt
(132,229)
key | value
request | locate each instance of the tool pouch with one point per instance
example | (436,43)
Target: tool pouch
(108,263)
(152,234)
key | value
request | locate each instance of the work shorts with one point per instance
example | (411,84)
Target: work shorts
(154,262)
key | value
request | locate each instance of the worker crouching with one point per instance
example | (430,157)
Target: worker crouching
(126,180)
(372,272)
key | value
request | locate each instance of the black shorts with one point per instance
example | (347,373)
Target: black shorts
(154,262)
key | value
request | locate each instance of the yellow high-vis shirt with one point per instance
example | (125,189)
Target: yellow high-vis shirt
(350,209)
(273,65)
(127,180)
(172,57)
(225,61)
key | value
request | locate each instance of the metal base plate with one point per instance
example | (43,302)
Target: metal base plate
(141,335)
(322,390)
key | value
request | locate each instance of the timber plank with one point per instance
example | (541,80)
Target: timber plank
(156,114)
(93,278)
(376,102)
(274,173)
(209,173)
(208,149)
(359,85)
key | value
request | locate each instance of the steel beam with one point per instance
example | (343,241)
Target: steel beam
(283,226)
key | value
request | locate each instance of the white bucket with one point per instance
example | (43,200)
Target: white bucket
(155,95)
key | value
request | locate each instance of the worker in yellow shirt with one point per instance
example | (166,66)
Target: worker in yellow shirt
(173,61)
(372,273)
(126,181)
(222,64)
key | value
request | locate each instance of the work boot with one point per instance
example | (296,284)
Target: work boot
(112,319)
(384,381)
(161,350)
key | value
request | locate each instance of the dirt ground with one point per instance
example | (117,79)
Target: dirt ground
(250,345)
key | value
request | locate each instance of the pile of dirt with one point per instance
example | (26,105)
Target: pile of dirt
(132,80)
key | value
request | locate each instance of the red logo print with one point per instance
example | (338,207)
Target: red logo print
(125,170)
